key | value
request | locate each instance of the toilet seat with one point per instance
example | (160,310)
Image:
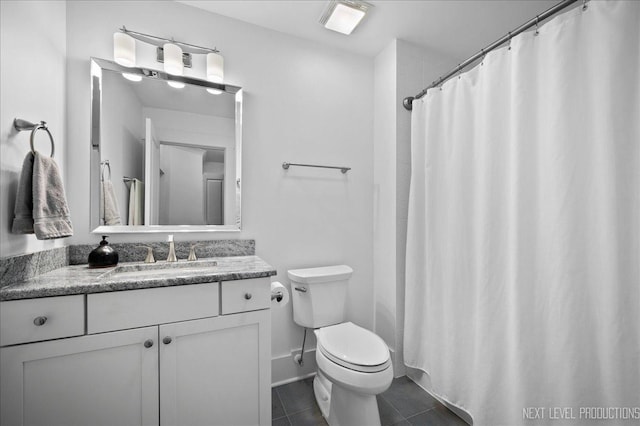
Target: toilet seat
(353,347)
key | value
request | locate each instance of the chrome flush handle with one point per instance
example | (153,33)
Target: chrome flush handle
(301,289)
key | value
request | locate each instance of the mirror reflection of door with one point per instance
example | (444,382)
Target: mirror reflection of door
(191,189)
(214,203)
(152,173)
(213,176)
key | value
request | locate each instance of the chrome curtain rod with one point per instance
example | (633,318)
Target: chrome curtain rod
(522,28)
(154,40)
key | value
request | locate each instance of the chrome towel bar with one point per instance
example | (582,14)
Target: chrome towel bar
(286,166)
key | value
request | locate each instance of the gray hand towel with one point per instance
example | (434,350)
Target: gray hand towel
(50,212)
(23,212)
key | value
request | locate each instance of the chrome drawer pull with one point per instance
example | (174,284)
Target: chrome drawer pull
(40,321)
(148,343)
(166,340)
(247,296)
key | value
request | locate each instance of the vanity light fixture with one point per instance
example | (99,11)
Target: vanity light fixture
(173,59)
(344,16)
(124,49)
(175,55)
(215,71)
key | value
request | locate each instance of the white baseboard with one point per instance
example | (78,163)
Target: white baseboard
(285,370)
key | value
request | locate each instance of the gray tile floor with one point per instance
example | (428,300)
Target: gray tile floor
(403,404)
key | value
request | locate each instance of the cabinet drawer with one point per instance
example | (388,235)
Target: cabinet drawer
(138,308)
(57,317)
(245,295)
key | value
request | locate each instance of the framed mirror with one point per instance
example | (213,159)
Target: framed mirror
(165,152)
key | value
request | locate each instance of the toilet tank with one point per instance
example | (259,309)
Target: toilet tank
(319,295)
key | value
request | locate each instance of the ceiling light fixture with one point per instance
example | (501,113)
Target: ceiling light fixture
(344,16)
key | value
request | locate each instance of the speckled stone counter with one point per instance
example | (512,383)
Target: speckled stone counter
(79,279)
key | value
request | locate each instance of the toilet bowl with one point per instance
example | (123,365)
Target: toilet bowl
(354,364)
(353,367)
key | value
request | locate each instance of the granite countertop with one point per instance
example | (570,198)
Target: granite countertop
(80,279)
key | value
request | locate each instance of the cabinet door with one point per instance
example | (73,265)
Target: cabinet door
(216,371)
(105,379)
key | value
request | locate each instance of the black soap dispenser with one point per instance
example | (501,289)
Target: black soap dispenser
(103,256)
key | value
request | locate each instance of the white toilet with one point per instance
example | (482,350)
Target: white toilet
(353,363)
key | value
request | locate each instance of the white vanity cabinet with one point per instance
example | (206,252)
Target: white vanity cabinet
(162,356)
(102,379)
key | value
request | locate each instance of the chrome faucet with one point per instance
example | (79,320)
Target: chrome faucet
(172,250)
(149,258)
(192,252)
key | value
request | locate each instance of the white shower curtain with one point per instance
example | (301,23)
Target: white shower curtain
(523,246)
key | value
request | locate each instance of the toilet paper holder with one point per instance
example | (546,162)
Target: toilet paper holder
(277,295)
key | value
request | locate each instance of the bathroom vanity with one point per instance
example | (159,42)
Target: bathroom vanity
(178,346)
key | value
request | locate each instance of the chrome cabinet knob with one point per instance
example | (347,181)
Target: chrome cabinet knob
(148,343)
(40,321)
(166,340)
(247,296)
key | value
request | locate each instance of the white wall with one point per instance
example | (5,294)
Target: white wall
(400,70)
(384,163)
(314,105)
(32,83)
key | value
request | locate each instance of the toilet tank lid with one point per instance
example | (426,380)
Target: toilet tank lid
(320,275)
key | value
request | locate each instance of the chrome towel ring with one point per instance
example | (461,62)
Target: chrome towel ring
(22,125)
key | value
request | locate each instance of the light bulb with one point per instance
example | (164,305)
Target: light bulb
(215,68)
(176,84)
(173,59)
(132,77)
(124,49)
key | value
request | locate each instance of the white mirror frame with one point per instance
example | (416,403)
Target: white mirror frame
(97,65)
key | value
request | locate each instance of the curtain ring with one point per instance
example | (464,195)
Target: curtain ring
(584,5)
(42,126)
(537,32)
(509,48)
